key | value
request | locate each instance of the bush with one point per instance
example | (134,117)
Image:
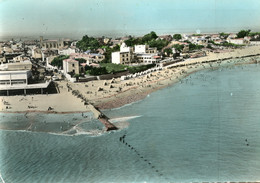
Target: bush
(96,71)
(58,61)
(135,69)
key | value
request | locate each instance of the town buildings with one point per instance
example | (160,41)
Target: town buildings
(139,54)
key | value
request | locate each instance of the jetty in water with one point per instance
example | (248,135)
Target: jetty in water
(102,118)
(97,114)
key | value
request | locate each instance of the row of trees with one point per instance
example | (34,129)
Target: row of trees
(149,39)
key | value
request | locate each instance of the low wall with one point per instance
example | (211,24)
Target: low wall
(171,62)
(87,79)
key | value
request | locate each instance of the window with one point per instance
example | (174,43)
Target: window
(73,65)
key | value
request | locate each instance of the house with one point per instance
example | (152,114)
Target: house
(144,49)
(239,41)
(122,57)
(125,48)
(166,37)
(96,57)
(70,66)
(36,53)
(66,51)
(148,58)
(89,57)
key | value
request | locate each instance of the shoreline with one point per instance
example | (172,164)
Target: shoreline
(110,94)
(131,98)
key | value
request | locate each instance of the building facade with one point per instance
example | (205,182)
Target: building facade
(70,66)
(148,58)
(122,57)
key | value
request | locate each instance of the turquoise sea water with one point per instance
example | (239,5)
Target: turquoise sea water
(204,128)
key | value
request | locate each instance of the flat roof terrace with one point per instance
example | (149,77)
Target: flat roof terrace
(24,86)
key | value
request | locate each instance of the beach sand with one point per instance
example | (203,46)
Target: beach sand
(106,94)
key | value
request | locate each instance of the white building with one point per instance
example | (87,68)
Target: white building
(148,58)
(236,41)
(67,51)
(139,49)
(122,57)
(125,48)
(15,76)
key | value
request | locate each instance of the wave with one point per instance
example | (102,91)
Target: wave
(120,119)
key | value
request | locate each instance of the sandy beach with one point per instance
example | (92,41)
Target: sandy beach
(106,94)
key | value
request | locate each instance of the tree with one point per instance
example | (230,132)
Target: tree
(223,35)
(148,37)
(177,36)
(88,43)
(168,51)
(58,61)
(159,44)
(243,33)
(108,53)
(178,47)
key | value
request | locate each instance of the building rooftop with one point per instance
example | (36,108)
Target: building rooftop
(70,60)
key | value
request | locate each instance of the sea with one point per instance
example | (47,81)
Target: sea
(204,128)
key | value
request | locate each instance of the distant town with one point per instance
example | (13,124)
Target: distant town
(33,65)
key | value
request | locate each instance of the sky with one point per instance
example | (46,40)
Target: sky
(75,18)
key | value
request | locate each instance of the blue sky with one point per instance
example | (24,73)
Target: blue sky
(124,17)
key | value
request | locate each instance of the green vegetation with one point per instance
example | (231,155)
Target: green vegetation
(133,41)
(196,34)
(177,37)
(95,70)
(149,39)
(58,61)
(178,47)
(113,68)
(223,35)
(168,51)
(88,43)
(254,34)
(140,68)
(226,44)
(81,60)
(195,47)
(159,43)
(243,33)
(109,68)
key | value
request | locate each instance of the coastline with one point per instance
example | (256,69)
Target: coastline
(108,94)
